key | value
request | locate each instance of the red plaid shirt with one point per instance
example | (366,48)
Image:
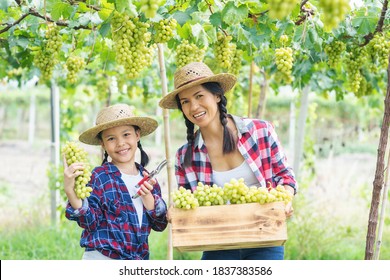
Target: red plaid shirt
(259,145)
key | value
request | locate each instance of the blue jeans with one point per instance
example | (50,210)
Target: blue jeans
(267,253)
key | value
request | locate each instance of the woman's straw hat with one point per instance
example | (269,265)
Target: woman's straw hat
(117,115)
(194,74)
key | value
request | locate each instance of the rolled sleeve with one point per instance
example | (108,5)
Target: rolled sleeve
(75,213)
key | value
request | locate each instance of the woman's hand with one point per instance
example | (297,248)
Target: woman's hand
(289,209)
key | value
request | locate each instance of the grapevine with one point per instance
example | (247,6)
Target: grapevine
(236,62)
(74,153)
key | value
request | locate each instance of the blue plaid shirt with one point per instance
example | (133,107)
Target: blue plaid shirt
(109,218)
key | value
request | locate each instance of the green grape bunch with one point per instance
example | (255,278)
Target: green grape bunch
(333,12)
(284,63)
(279,9)
(379,49)
(74,153)
(224,50)
(165,30)
(188,52)
(334,52)
(46,57)
(209,195)
(355,60)
(184,199)
(74,64)
(236,63)
(131,38)
(149,7)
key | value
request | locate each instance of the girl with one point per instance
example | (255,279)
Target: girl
(225,146)
(115,225)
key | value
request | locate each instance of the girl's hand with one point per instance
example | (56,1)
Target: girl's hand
(145,192)
(70,174)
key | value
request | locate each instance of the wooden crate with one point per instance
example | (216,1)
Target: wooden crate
(229,227)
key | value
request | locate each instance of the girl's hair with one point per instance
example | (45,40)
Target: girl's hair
(229,143)
(144,156)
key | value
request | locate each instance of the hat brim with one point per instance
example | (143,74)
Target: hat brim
(146,125)
(227,81)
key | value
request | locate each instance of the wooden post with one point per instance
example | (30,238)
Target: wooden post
(250,93)
(170,162)
(55,145)
(300,137)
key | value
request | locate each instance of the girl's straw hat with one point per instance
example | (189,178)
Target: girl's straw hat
(117,115)
(194,74)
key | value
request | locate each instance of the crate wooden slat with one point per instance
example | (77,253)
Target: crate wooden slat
(229,227)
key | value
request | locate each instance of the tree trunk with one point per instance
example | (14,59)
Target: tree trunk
(170,163)
(379,175)
(260,112)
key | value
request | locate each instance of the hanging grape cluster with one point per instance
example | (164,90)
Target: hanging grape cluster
(236,64)
(334,51)
(355,60)
(333,12)
(165,30)
(74,64)
(131,36)
(379,49)
(188,52)
(224,50)
(47,56)
(149,7)
(74,153)
(284,62)
(233,192)
(279,9)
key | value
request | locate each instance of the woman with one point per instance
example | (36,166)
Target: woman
(225,146)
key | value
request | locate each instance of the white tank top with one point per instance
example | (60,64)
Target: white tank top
(242,171)
(131,182)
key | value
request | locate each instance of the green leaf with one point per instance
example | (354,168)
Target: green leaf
(184,31)
(181,17)
(61,10)
(216,19)
(104,29)
(232,15)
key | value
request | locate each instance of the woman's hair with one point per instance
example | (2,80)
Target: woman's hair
(144,156)
(229,143)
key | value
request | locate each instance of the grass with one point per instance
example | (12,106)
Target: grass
(311,237)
